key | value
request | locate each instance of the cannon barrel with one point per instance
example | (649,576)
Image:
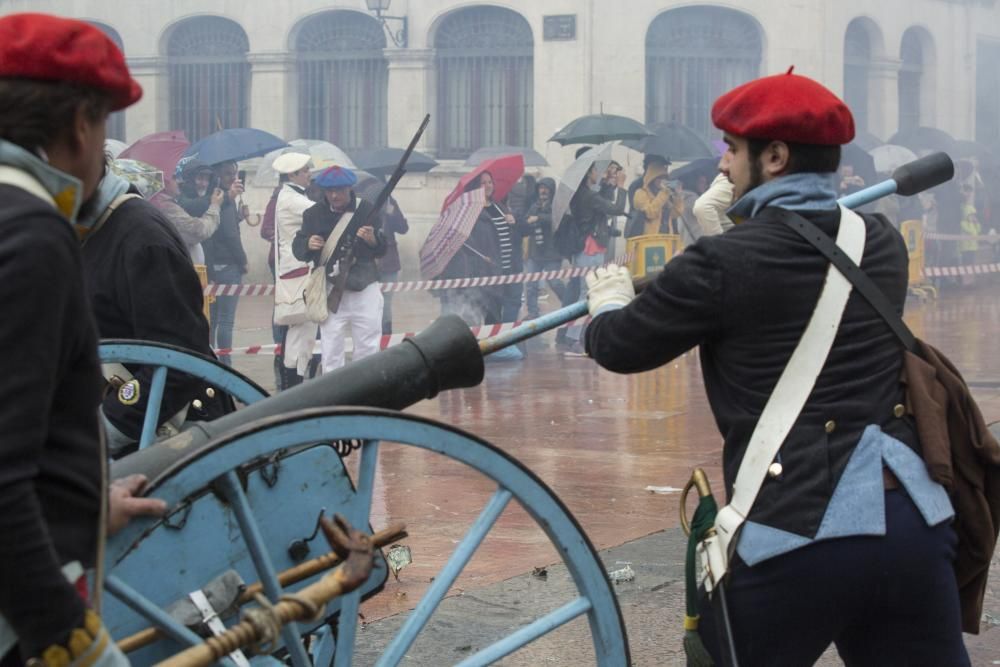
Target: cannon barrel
(444,356)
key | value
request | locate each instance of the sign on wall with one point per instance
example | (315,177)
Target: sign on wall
(559,27)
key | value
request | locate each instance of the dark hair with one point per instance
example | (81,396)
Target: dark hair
(476,183)
(802,158)
(37,114)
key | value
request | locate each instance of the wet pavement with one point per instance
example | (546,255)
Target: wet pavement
(598,440)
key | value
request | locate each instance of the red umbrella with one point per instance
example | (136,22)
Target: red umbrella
(506,171)
(163,150)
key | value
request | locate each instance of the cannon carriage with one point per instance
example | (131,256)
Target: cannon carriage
(246,491)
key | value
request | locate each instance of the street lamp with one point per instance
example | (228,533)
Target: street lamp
(398,37)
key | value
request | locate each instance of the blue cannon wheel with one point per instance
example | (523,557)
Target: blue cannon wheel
(227,467)
(172,358)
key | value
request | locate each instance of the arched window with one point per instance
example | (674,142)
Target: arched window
(485,81)
(916,79)
(857,71)
(343,80)
(209,76)
(116,121)
(694,55)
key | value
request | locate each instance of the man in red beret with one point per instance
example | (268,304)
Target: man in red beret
(834,531)
(59,80)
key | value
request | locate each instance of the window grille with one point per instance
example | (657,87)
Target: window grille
(911,75)
(857,72)
(343,80)
(116,121)
(208,75)
(694,55)
(988,93)
(485,81)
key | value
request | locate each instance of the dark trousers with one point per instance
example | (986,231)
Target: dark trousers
(883,601)
(222,313)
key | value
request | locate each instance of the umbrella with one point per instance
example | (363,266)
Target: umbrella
(691,172)
(867,140)
(237,144)
(147,178)
(532,158)
(323,154)
(600,128)
(574,176)
(450,232)
(674,141)
(368,186)
(506,171)
(863,163)
(114,147)
(383,161)
(925,139)
(889,157)
(163,150)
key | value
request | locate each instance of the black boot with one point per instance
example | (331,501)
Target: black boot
(292,378)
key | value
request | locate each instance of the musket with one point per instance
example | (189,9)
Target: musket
(345,249)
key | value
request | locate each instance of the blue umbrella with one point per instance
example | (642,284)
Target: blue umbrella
(237,144)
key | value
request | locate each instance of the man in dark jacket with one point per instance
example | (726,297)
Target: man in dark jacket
(226,260)
(143,286)
(590,212)
(542,254)
(59,79)
(848,540)
(361,305)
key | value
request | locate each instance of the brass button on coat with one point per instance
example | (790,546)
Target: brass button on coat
(831,426)
(899,410)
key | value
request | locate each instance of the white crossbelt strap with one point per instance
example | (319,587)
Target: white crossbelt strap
(215,624)
(792,391)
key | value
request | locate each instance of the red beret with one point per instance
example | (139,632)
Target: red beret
(785,107)
(51,48)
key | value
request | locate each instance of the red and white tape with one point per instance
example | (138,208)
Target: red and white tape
(421,285)
(993,238)
(970,270)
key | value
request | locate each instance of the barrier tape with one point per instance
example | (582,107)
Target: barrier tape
(421,285)
(970,270)
(480,332)
(992,238)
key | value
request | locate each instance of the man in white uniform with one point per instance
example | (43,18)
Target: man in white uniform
(291,274)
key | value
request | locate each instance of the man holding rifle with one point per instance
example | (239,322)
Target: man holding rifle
(360,305)
(846,540)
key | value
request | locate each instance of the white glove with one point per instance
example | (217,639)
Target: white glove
(609,288)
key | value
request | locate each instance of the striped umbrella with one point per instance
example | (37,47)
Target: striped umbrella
(450,232)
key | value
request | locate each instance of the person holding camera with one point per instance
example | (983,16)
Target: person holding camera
(658,204)
(201,222)
(226,259)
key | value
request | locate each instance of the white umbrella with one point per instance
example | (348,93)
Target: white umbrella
(571,180)
(323,153)
(890,157)
(114,147)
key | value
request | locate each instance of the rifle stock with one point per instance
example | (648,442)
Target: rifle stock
(372,219)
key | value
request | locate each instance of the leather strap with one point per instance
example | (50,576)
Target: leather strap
(850,270)
(795,384)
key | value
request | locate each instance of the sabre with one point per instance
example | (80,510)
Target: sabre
(907,180)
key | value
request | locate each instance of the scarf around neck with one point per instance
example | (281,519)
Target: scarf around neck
(110,188)
(65,190)
(795,192)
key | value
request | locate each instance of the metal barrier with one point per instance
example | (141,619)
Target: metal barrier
(202,272)
(648,253)
(913,235)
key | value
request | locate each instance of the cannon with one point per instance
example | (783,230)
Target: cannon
(247,492)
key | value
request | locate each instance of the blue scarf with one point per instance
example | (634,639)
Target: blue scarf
(65,190)
(795,192)
(109,189)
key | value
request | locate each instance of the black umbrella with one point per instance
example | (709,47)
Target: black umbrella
(867,141)
(673,141)
(383,161)
(691,172)
(600,128)
(861,160)
(532,158)
(923,139)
